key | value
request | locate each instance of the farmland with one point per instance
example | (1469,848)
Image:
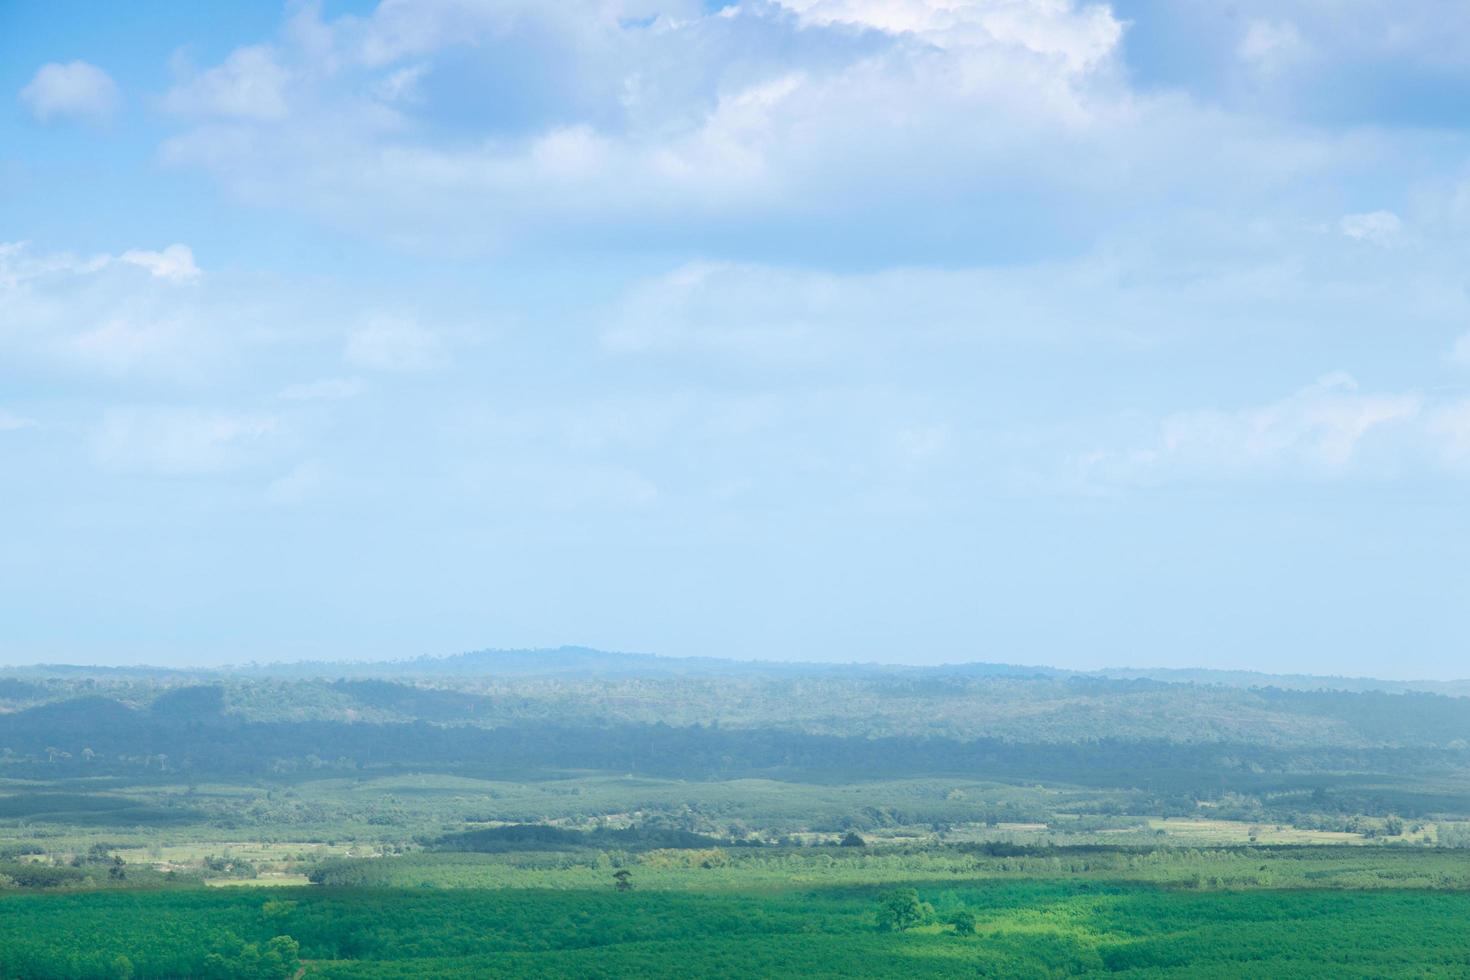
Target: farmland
(235,826)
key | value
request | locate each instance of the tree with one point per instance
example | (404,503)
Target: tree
(852,839)
(1393,826)
(281,957)
(903,909)
(233,958)
(963,921)
(621,880)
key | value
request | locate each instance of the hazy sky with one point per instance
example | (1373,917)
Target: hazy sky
(911,330)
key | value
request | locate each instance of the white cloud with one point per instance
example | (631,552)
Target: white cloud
(1382,33)
(689,121)
(388,343)
(1323,425)
(1449,425)
(1326,428)
(918,445)
(181,441)
(1078,35)
(250,84)
(826,132)
(1271,45)
(10,422)
(1374,227)
(118,314)
(76,90)
(327,389)
(402,85)
(126,343)
(20,267)
(785,315)
(776,313)
(1290,281)
(175,263)
(893,129)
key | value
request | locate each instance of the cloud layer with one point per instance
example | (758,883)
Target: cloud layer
(875,328)
(496,123)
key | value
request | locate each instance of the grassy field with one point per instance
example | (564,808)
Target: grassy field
(720,869)
(270,824)
(1243,832)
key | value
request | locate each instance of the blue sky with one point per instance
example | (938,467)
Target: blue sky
(1035,331)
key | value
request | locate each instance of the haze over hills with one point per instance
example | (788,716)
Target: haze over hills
(577,662)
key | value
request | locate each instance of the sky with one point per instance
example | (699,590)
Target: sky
(916,331)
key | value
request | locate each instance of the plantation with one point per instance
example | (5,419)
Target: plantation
(1035,927)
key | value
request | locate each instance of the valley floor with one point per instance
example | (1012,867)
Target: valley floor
(810,912)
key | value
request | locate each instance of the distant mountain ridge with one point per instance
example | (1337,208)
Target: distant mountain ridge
(1294,682)
(589,663)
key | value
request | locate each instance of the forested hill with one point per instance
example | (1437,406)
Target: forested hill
(588,688)
(1291,682)
(189,736)
(585,663)
(1177,741)
(1053,710)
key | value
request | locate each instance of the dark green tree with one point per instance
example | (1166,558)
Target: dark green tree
(903,909)
(235,959)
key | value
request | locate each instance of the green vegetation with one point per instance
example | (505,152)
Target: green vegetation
(1037,927)
(1195,869)
(828,824)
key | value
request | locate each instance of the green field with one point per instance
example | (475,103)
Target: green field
(1036,927)
(1314,911)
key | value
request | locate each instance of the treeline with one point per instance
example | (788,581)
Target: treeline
(542,837)
(189,735)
